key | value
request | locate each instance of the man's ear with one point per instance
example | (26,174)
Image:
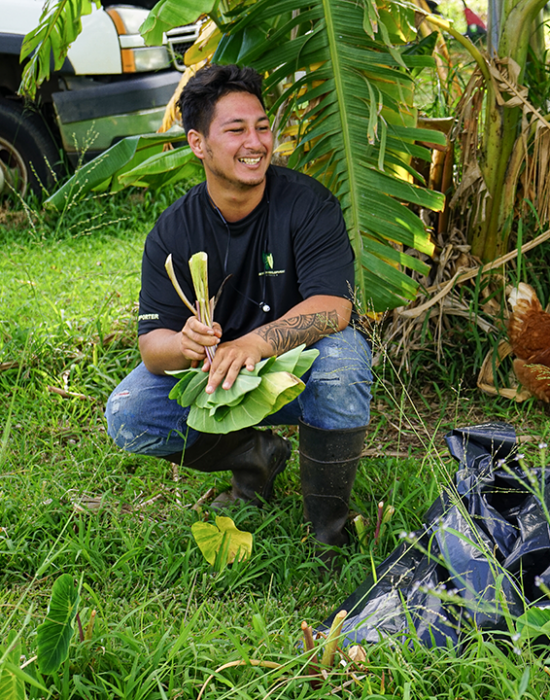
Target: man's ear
(196,143)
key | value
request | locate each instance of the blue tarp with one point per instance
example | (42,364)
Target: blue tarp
(484,547)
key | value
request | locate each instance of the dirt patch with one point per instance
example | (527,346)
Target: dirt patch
(401,431)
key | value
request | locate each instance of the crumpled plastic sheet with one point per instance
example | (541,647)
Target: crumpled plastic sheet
(485,545)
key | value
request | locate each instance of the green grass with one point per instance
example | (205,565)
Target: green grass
(71,502)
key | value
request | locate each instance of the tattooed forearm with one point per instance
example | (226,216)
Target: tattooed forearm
(285,334)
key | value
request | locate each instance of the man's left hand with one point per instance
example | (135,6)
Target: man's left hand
(231,357)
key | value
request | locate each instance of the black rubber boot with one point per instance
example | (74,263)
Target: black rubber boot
(255,457)
(328,464)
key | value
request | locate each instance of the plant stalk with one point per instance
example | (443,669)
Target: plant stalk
(327,660)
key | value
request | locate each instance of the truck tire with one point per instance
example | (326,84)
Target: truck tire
(29,158)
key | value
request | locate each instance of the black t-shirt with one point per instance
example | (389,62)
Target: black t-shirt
(292,246)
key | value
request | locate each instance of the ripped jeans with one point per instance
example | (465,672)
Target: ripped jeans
(141,418)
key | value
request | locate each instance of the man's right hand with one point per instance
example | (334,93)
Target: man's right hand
(163,349)
(195,337)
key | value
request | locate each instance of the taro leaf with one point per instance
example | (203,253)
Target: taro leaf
(264,366)
(222,541)
(295,361)
(54,634)
(11,686)
(177,391)
(287,361)
(219,412)
(283,386)
(305,361)
(275,390)
(195,388)
(230,397)
(254,395)
(535,622)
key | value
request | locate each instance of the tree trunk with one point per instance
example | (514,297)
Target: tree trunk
(499,160)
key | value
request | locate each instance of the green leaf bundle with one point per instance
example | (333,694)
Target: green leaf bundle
(272,384)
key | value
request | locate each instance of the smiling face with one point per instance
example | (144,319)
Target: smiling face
(237,151)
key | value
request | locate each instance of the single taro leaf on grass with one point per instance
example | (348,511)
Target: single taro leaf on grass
(55,633)
(224,538)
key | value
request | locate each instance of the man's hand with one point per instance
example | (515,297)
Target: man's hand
(195,337)
(305,323)
(231,357)
(163,349)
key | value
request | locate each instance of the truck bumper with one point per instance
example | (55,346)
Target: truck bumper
(92,118)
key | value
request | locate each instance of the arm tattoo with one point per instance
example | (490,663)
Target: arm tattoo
(287,333)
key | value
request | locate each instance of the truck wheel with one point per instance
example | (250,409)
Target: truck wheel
(28,156)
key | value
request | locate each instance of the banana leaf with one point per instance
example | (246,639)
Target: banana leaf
(47,44)
(168,14)
(133,160)
(164,169)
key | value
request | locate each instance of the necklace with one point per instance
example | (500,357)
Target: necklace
(264,306)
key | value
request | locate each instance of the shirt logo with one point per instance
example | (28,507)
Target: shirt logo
(267,259)
(148,317)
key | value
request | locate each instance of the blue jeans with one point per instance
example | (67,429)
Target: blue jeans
(141,418)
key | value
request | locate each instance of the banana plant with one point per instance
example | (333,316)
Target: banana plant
(135,160)
(503,154)
(505,138)
(348,98)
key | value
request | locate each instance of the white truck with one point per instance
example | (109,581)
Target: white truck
(110,86)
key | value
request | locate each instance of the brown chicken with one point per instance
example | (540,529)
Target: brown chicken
(529,334)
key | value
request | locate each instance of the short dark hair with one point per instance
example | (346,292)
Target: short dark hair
(197,102)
